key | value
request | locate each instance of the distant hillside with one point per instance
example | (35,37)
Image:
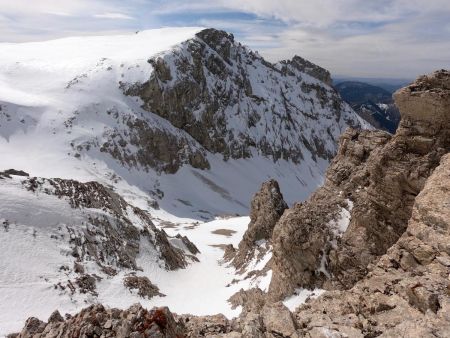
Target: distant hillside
(360,92)
(390,85)
(372,103)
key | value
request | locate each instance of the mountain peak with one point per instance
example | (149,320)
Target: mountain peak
(218,40)
(426,99)
(309,68)
(214,36)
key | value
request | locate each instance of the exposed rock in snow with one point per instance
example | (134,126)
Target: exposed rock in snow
(230,100)
(143,285)
(266,209)
(7,173)
(112,233)
(67,240)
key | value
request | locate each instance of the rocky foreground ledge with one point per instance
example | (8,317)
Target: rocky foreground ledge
(387,269)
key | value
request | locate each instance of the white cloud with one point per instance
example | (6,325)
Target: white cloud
(388,52)
(353,37)
(386,38)
(322,13)
(25,20)
(58,13)
(65,7)
(119,16)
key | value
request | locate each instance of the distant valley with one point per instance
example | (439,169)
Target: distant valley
(372,103)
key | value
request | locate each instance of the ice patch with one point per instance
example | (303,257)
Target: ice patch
(340,225)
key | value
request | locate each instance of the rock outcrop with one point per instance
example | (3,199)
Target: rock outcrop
(426,100)
(406,293)
(267,206)
(7,173)
(94,232)
(103,240)
(97,321)
(157,148)
(367,199)
(142,285)
(309,68)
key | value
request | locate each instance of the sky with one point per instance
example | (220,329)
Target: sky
(360,38)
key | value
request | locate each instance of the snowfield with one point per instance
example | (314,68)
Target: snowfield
(33,254)
(35,250)
(58,95)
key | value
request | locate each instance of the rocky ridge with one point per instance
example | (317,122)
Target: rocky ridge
(233,102)
(96,321)
(307,67)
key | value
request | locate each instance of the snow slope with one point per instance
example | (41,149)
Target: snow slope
(37,258)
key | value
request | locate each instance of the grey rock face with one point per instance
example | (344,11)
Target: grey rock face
(146,143)
(267,206)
